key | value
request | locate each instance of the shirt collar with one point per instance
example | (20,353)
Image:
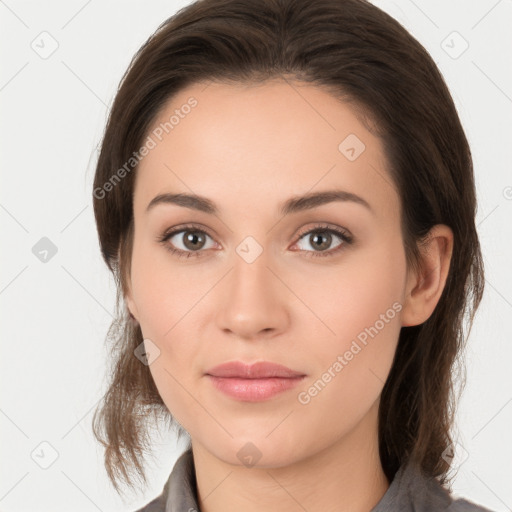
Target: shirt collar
(181,487)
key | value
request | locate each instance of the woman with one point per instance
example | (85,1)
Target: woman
(285,196)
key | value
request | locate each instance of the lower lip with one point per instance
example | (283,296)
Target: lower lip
(254,390)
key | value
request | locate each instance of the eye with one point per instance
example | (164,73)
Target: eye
(321,238)
(188,242)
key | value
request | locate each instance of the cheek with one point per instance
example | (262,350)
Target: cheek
(165,299)
(364,290)
(162,290)
(170,297)
(351,363)
(360,306)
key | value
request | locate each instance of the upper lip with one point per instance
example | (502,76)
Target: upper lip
(259,370)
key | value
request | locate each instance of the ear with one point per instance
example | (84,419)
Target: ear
(130,303)
(425,286)
(127,292)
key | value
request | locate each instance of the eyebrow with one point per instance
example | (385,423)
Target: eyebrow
(293,205)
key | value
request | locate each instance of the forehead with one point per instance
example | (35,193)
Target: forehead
(257,144)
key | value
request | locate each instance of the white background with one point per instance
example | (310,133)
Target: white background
(55,314)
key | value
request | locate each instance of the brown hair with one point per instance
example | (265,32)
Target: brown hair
(362,55)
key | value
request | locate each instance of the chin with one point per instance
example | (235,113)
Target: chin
(258,451)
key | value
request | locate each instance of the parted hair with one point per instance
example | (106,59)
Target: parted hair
(365,57)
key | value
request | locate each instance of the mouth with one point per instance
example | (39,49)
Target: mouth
(253,382)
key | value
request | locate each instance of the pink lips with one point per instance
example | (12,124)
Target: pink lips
(253,383)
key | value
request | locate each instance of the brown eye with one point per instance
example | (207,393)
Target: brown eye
(187,241)
(193,240)
(321,238)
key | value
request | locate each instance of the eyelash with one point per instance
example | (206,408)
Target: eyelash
(323,228)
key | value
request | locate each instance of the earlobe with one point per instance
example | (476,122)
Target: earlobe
(425,287)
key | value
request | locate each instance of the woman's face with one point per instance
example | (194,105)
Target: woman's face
(250,284)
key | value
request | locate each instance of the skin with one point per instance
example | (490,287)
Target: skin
(248,149)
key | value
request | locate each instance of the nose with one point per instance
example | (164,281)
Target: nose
(252,303)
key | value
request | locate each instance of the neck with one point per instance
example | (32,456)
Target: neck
(345,476)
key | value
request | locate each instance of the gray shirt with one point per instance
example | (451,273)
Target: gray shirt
(410,491)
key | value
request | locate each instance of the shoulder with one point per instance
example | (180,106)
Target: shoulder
(157,505)
(437,494)
(413,491)
(179,492)
(463,505)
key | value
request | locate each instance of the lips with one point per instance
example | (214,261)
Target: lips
(253,383)
(260,370)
